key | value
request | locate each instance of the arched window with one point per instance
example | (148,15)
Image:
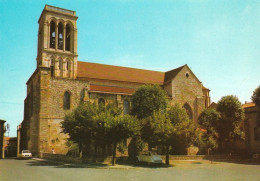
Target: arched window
(60,36)
(126,107)
(66,100)
(68,37)
(101,102)
(82,95)
(68,64)
(188,110)
(52,34)
(60,64)
(52,67)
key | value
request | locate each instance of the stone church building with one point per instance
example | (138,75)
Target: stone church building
(60,82)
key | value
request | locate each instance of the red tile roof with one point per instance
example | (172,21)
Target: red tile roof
(110,89)
(109,72)
(249,104)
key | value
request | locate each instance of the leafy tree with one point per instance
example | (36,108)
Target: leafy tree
(135,146)
(163,131)
(228,128)
(209,120)
(147,99)
(169,129)
(256,96)
(80,125)
(116,128)
(186,131)
(73,148)
(100,132)
(99,125)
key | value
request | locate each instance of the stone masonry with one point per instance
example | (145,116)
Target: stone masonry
(60,82)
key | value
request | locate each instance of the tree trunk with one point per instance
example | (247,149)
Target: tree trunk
(104,153)
(167,156)
(95,153)
(114,154)
(80,150)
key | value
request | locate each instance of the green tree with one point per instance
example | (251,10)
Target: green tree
(147,99)
(209,120)
(256,96)
(117,128)
(169,129)
(185,130)
(99,125)
(162,131)
(100,129)
(80,125)
(232,114)
(135,146)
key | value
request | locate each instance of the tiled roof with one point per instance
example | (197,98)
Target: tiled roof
(7,138)
(249,104)
(110,89)
(109,72)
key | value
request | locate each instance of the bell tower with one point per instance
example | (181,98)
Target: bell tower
(57,42)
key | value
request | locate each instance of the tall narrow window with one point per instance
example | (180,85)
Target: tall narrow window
(60,36)
(68,64)
(52,35)
(82,95)
(52,67)
(68,36)
(60,64)
(126,107)
(188,110)
(66,100)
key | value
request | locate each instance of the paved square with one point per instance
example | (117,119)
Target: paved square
(19,170)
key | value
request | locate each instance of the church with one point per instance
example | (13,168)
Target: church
(60,82)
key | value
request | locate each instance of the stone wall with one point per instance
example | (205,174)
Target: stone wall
(44,104)
(53,112)
(252,120)
(31,114)
(186,88)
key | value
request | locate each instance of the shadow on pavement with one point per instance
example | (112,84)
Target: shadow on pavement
(63,165)
(56,164)
(144,165)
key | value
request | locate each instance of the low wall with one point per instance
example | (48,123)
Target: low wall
(64,158)
(60,157)
(70,159)
(203,157)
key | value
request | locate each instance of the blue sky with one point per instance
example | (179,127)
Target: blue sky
(219,40)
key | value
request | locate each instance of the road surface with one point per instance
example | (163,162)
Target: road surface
(40,170)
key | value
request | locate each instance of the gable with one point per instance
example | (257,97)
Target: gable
(172,74)
(184,70)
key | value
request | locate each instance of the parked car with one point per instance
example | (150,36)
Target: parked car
(25,154)
(149,157)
